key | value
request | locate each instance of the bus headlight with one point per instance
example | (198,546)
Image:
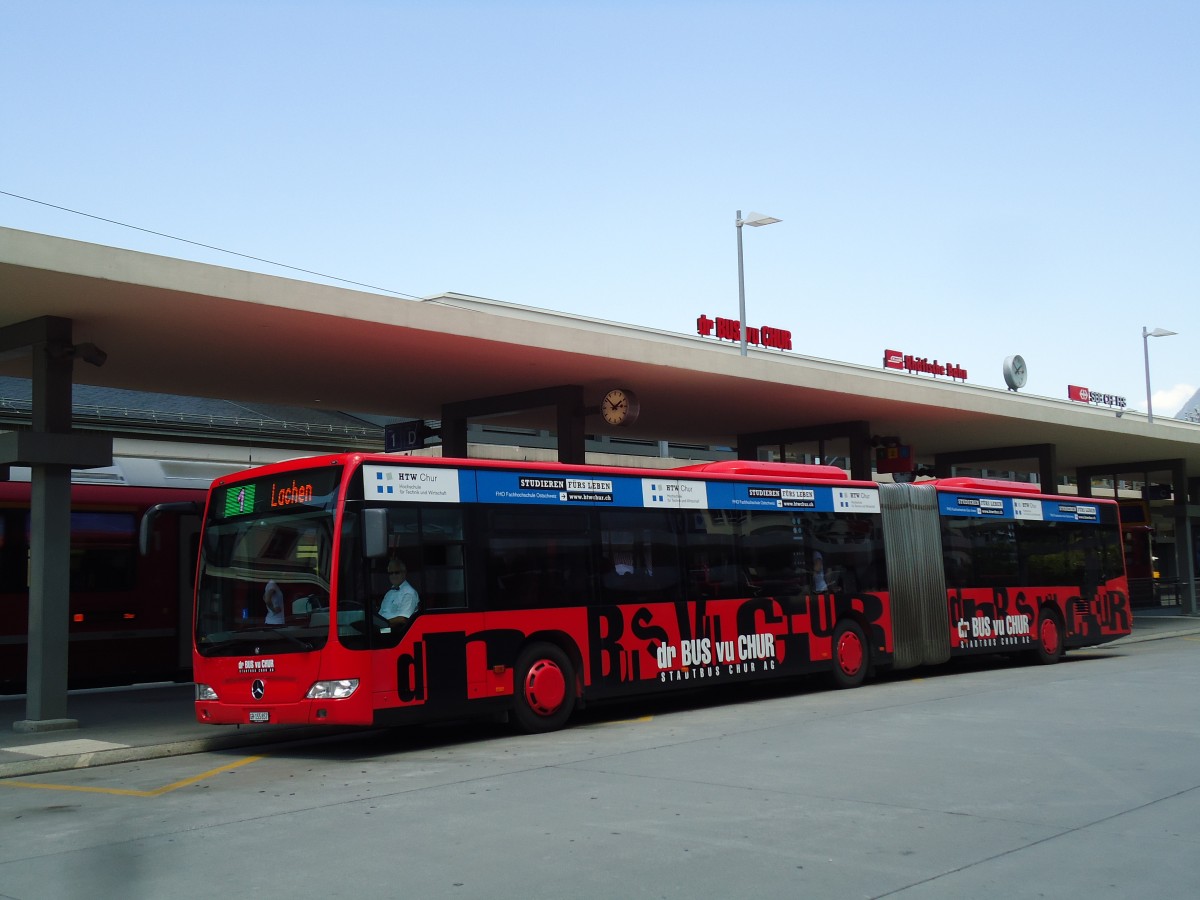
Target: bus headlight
(332,690)
(205,692)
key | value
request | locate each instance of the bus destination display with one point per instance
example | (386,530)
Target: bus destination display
(310,488)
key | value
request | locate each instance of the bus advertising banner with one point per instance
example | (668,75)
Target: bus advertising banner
(428,484)
(1025,508)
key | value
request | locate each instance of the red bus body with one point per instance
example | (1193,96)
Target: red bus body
(544,586)
(1089,611)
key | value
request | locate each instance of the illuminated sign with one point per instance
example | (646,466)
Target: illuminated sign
(895,359)
(292,494)
(1084,395)
(312,488)
(731,330)
(240,500)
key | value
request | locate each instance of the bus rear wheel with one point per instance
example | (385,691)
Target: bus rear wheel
(851,654)
(1048,644)
(544,693)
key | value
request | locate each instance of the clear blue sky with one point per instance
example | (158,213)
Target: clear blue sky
(957,179)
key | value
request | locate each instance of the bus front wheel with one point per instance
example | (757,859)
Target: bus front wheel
(851,654)
(544,692)
(1048,642)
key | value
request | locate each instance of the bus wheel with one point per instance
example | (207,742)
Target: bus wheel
(544,693)
(1048,647)
(851,655)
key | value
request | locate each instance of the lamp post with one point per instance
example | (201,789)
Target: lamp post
(1146,335)
(755,220)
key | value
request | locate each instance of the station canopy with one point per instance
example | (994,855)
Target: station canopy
(179,327)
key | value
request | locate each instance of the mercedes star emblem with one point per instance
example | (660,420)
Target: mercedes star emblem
(257,689)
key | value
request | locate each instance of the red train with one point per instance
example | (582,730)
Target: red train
(130,613)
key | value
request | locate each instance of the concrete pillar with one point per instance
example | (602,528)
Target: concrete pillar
(50,540)
(51,450)
(49,601)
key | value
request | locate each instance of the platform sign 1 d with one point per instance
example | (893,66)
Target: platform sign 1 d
(407,435)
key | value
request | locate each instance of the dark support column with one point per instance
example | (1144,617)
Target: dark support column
(50,536)
(1184,548)
(49,600)
(861,464)
(571,441)
(858,432)
(454,436)
(567,400)
(1045,454)
(51,450)
(1083,485)
(1182,513)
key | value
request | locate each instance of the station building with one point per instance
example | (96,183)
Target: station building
(462,375)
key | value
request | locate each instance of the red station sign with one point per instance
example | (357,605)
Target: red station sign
(1085,395)
(895,359)
(731,330)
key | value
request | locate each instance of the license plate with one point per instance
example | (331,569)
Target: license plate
(260,717)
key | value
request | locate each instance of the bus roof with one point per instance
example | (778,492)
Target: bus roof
(999,486)
(756,469)
(725,469)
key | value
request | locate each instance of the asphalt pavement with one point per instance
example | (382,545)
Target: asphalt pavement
(141,722)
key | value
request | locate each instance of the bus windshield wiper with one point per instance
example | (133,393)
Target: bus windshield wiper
(252,635)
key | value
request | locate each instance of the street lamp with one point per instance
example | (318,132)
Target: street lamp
(1146,335)
(754,219)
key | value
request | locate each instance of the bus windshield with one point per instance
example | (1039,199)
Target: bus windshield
(264,571)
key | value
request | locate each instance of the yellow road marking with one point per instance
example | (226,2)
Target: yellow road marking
(128,792)
(626,721)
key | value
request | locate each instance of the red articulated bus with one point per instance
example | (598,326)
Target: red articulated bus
(373,589)
(130,612)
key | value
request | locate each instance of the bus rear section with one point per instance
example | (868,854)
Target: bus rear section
(1021,571)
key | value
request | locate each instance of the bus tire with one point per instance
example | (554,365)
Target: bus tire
(851,654)
(1048,642)
(544,689)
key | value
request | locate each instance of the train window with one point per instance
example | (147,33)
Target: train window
(12,561)
(103,551)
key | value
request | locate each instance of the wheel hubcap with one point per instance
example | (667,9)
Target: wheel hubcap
(850,653)
(1050,636)
(545,687)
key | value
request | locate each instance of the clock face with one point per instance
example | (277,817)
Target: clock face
(1015,373)
(619,407)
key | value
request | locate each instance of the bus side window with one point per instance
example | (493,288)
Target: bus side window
(443,559)
(711,556)
(537,557)
(639,551)
(771,544)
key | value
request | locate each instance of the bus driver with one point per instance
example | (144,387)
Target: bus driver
(400,603)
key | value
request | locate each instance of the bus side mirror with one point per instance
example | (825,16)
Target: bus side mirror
(146,527)
(374,530)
